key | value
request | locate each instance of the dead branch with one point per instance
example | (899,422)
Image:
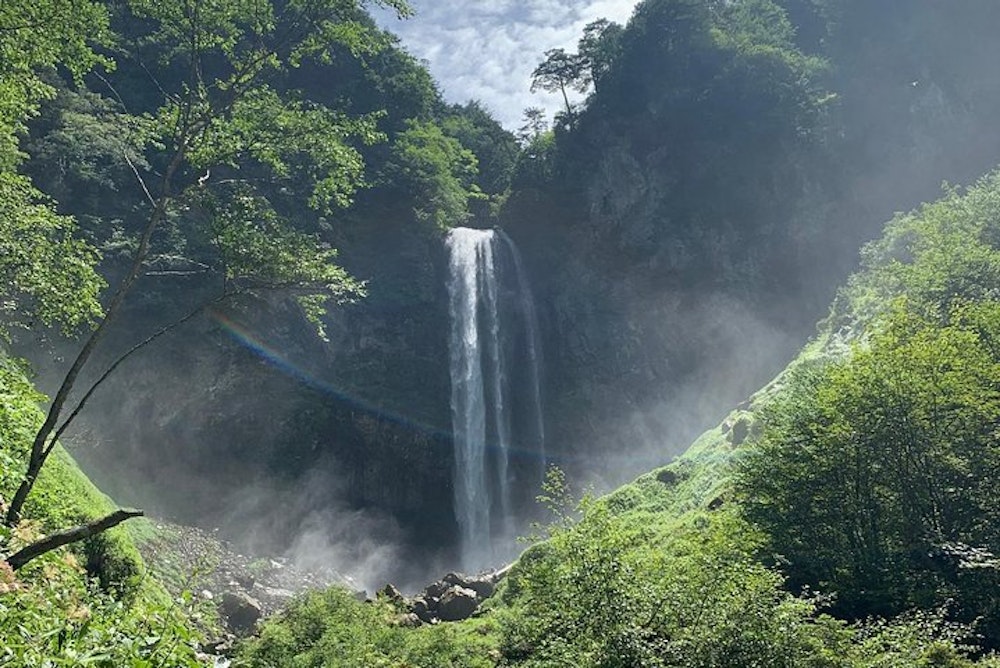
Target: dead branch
(77,533)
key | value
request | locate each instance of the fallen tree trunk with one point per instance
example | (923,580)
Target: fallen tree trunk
(77,533)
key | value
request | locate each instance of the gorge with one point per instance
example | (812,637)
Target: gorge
(386,318)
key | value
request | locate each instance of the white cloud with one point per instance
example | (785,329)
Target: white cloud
(486,50)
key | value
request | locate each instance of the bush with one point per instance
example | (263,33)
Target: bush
(333,629)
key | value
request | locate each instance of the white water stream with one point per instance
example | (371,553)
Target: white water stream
(494,333)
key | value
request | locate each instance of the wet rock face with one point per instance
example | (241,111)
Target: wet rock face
(248,404)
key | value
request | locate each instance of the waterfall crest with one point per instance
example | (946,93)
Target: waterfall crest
(495,388)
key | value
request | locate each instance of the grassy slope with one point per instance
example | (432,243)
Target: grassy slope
(88,602)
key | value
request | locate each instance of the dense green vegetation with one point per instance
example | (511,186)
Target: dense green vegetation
(92,605)
(861,490)
(874,475)
(335,629)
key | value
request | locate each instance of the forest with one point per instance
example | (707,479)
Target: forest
(231,243)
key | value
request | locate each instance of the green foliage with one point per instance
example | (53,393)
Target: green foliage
(876,476)
(495,149)
(64,497)
(333,629)
(46,272)
(88,605)
(559,72)
(427,161)
(238,149)
(626,589)
(598,47)
(50,616)
(75,151)
(946,251)
(35,36)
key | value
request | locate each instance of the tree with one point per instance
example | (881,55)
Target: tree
(534,125)
(220,142)
(561,71)
(439,169)
(495,148)
(598,48)
(876,476)
(47,274)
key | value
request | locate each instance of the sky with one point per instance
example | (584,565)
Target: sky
(486,49)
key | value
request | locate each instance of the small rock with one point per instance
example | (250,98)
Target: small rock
(207,595)
(738,434)
(409,620)
(221,647)
(483,586)
(667,477)
(457,603)
(436,589)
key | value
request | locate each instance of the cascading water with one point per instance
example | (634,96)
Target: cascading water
(495,356)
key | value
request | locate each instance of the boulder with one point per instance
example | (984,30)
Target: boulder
(739,432)
(391,594)
(482,585)
(409,620)
(241,611)
(424,608)
(457,603)
(437,589)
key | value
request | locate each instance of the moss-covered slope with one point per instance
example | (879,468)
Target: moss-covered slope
(88,604)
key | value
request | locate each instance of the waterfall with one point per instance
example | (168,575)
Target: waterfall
(534,346)
(494,356)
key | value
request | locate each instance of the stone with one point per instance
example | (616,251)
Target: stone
(457,603)
(424,609)
(391,594)
(667,477)
(738,434)
(482,585)
(241,611)
(409,620)
(437,589)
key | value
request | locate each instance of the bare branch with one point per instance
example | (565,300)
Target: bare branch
(138,177)
(77,533)
(121,359)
